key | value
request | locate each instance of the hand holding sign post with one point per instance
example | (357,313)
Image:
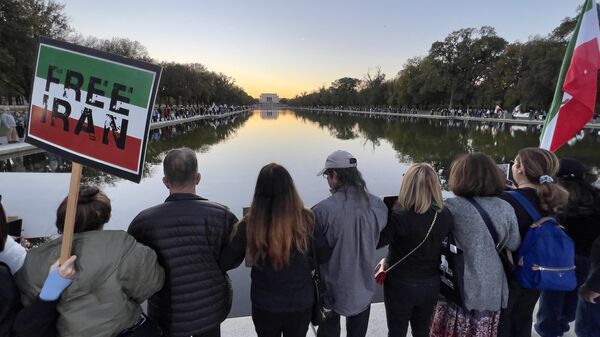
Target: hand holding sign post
(93,108)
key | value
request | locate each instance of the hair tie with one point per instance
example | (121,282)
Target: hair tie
(546,179)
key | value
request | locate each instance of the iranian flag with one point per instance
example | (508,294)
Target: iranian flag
(575,95)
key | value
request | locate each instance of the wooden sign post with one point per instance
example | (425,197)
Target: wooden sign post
(69,225)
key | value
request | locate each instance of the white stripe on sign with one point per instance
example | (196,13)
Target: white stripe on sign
(135,127)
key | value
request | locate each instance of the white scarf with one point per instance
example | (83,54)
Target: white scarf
(13,255)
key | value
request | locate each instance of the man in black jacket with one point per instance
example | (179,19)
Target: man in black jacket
(188,233)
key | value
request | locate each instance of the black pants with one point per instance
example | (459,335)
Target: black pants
(216,332)
(273,324)
(410,301)
(356,326)
(516,320)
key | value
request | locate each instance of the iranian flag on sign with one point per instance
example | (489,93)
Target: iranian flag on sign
(575,95)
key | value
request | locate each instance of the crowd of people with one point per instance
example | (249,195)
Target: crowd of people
(173,112)
(480,112)
(176,255)
(15,124)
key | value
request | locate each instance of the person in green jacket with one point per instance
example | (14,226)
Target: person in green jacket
(115,273)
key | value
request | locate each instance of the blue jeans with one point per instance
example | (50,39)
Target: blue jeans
(588,319)
(557,308)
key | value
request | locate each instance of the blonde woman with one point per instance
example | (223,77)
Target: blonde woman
(414,232)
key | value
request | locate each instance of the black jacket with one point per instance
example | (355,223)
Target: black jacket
(593,281)
(285,290)
(188,234)
(582,228)
(36,320)
(404,231)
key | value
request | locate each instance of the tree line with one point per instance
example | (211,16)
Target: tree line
(22,21)
(471,67)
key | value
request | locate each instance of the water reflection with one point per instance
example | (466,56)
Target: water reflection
(199,136)
(291,137)
(439,142)
(269,114)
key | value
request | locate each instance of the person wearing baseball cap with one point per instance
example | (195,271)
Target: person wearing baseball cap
(338,159)
(351,220)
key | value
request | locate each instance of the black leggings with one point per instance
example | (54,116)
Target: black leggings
(273,324)
(410,301)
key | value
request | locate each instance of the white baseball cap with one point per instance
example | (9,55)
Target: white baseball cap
(338,159)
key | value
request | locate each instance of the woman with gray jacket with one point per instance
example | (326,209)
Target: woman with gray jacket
(476,180)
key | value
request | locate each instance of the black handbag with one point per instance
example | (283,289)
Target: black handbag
(452,268)
(319,313)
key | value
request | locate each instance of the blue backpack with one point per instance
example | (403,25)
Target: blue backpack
(546,259)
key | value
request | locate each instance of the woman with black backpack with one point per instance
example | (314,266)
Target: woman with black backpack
(533,171)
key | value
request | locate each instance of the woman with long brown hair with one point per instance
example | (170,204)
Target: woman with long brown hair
(275,239)
(533,172)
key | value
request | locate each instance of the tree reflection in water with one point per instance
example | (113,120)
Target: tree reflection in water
(439,142)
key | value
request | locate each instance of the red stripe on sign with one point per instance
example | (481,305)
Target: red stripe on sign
(85,143)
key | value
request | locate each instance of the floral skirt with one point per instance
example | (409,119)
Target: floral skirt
(451,320)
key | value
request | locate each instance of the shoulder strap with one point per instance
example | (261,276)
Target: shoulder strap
(526,204)
(435,214)
(315,262)
(487,220)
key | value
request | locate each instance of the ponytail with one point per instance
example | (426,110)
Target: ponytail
(540,166)
(552,196)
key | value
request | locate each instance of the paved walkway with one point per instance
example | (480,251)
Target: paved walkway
(243,327)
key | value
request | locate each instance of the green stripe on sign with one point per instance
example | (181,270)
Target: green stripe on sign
(140,80)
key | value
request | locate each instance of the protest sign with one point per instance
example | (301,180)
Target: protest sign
(94,108)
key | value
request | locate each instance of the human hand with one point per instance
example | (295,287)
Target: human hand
(509,185)
(67,269)
(25,244)
(588,295)
(59,278)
